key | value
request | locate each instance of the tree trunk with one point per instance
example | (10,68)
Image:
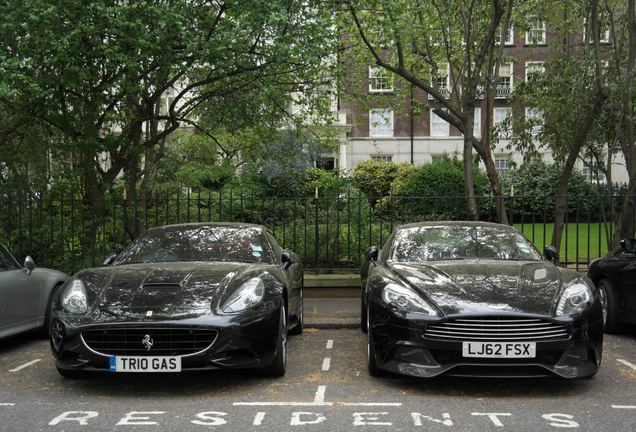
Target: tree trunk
(626,223)
(468,179)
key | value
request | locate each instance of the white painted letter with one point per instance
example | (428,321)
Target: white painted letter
(417,419)
(295,420)
(493,417)
(564,422)
(83,420)
(130,419)
(360,420)
(210,415)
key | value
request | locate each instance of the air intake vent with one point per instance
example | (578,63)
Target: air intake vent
(165,341)
(492,329)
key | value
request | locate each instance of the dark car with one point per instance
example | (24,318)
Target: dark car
(615,278)
(182,298)
(476,299)
(25,295)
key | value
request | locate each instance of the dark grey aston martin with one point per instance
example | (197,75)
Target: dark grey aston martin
(476,299)
(179,298)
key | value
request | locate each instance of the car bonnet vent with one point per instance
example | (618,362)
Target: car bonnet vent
(157,286)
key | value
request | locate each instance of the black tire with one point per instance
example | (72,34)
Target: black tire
(372,365)
(300,325)
(611,304)
(278,368)
(363,312)
(45,332)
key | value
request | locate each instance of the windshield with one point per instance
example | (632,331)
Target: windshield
(460,242)
(200,243)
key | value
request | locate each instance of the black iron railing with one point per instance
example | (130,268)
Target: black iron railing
(329,233)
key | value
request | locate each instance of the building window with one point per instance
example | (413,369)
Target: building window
(533,69)
(438,158)
(379,80)
(439,126)
(536,118)
(327,164)
(509,40)
(592,173)
(499,115)
(382,158)
(504,86)
(536,33)
(502,164)
(442,81)
(477,123)
(604,30)
(381,122)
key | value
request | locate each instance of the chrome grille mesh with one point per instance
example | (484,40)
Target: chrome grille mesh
(504,329)
(165,341)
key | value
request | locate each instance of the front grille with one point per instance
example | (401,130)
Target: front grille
(504,329)
(165,341)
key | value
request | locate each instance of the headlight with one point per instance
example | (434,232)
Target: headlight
(406,300)
(575,299)
(74,297)
(249,294)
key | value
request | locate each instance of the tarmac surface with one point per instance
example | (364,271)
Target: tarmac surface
(331,313)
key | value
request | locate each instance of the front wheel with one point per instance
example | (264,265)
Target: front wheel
(278,368)
(611,305)
(300,325)
(372,365)
(363,312)
(46,329)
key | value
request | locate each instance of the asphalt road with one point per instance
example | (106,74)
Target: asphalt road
(327,388)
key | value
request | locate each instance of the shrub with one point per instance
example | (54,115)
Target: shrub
(374,179)
(424,193)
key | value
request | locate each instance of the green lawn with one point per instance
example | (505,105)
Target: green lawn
(580,242)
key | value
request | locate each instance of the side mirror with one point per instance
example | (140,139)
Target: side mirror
(629,245)
(371,254)
(29,265)
(551,253)
(109,260)
(287,259)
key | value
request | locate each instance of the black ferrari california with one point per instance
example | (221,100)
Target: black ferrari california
(476,299)
(182,298)
(615,277)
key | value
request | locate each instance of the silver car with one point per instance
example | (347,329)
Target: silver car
(25,295)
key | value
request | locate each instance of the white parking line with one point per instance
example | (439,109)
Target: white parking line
(624,406)
(330,344)
(25,365)
(258,420)
(626,363)
(319,400)
(7,404)
(326,363)
(320,394)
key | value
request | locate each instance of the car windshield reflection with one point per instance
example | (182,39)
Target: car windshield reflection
(436,243)
(247,245)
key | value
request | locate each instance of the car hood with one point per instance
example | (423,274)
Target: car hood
(168,289)
(486,286)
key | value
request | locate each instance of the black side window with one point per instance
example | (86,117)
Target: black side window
(6,263)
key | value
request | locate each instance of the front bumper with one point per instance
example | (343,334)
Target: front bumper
(401,346)
(235,341)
